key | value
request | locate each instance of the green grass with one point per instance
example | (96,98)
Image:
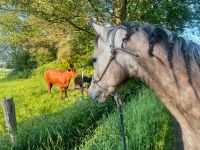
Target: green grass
(46,122)
(147,125)
(41,116)
(63,129)
(2,75)
(31,98)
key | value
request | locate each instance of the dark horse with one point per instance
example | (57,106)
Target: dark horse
(78,81)
(166,62)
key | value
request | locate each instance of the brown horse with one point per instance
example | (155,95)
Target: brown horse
(167,63)
(61,78)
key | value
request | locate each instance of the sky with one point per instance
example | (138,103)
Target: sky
(192,34)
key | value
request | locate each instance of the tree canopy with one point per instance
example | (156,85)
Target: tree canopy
(47,30)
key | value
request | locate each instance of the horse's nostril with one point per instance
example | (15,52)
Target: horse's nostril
(96,97)
(94,94)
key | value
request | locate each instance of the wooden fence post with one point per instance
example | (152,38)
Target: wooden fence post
(10,117)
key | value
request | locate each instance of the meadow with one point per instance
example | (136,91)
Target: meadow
(2,75)
(46,122)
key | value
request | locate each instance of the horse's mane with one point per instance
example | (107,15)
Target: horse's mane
(171,42)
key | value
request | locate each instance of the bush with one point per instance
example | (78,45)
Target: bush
(22,61)
(14,74)
(42,69)
(61,65)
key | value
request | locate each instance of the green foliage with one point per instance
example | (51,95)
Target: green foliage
(57,30)
(169,14)
(37,37)
(23,64)
(42,69)
(22,60)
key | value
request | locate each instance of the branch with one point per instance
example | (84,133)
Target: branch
(113,10)
(6,9)
(120,11)
(95,9)
(36,13)
(20,10)
(123,10)
(82,29)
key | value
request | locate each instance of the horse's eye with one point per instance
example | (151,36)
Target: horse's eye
(94,60)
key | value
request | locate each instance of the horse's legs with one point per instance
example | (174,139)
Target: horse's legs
(49,87)
(65,92)
(61,92)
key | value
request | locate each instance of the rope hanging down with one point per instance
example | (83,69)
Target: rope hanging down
(119,106)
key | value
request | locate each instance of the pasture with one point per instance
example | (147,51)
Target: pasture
(2,74)
(46,122)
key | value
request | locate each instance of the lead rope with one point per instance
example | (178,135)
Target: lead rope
(119,106)
(116,97)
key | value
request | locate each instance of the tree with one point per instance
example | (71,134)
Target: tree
(54,29)
(174,14)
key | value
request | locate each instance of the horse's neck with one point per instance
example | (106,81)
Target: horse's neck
(68,75)
(180,101)
(172,86)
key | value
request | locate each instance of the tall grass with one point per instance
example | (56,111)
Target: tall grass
(62,129)
(147,125)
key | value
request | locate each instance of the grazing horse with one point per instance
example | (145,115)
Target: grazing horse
(78,81)
(61,78)
(166,62)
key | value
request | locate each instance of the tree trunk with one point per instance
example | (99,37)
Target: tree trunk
(120,12)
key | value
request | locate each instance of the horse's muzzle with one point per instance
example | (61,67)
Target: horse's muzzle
(94,94)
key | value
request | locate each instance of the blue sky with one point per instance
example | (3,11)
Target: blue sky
(192,34)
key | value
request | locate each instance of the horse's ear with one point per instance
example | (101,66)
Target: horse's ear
(100,30)
(71,65)
(74,69)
